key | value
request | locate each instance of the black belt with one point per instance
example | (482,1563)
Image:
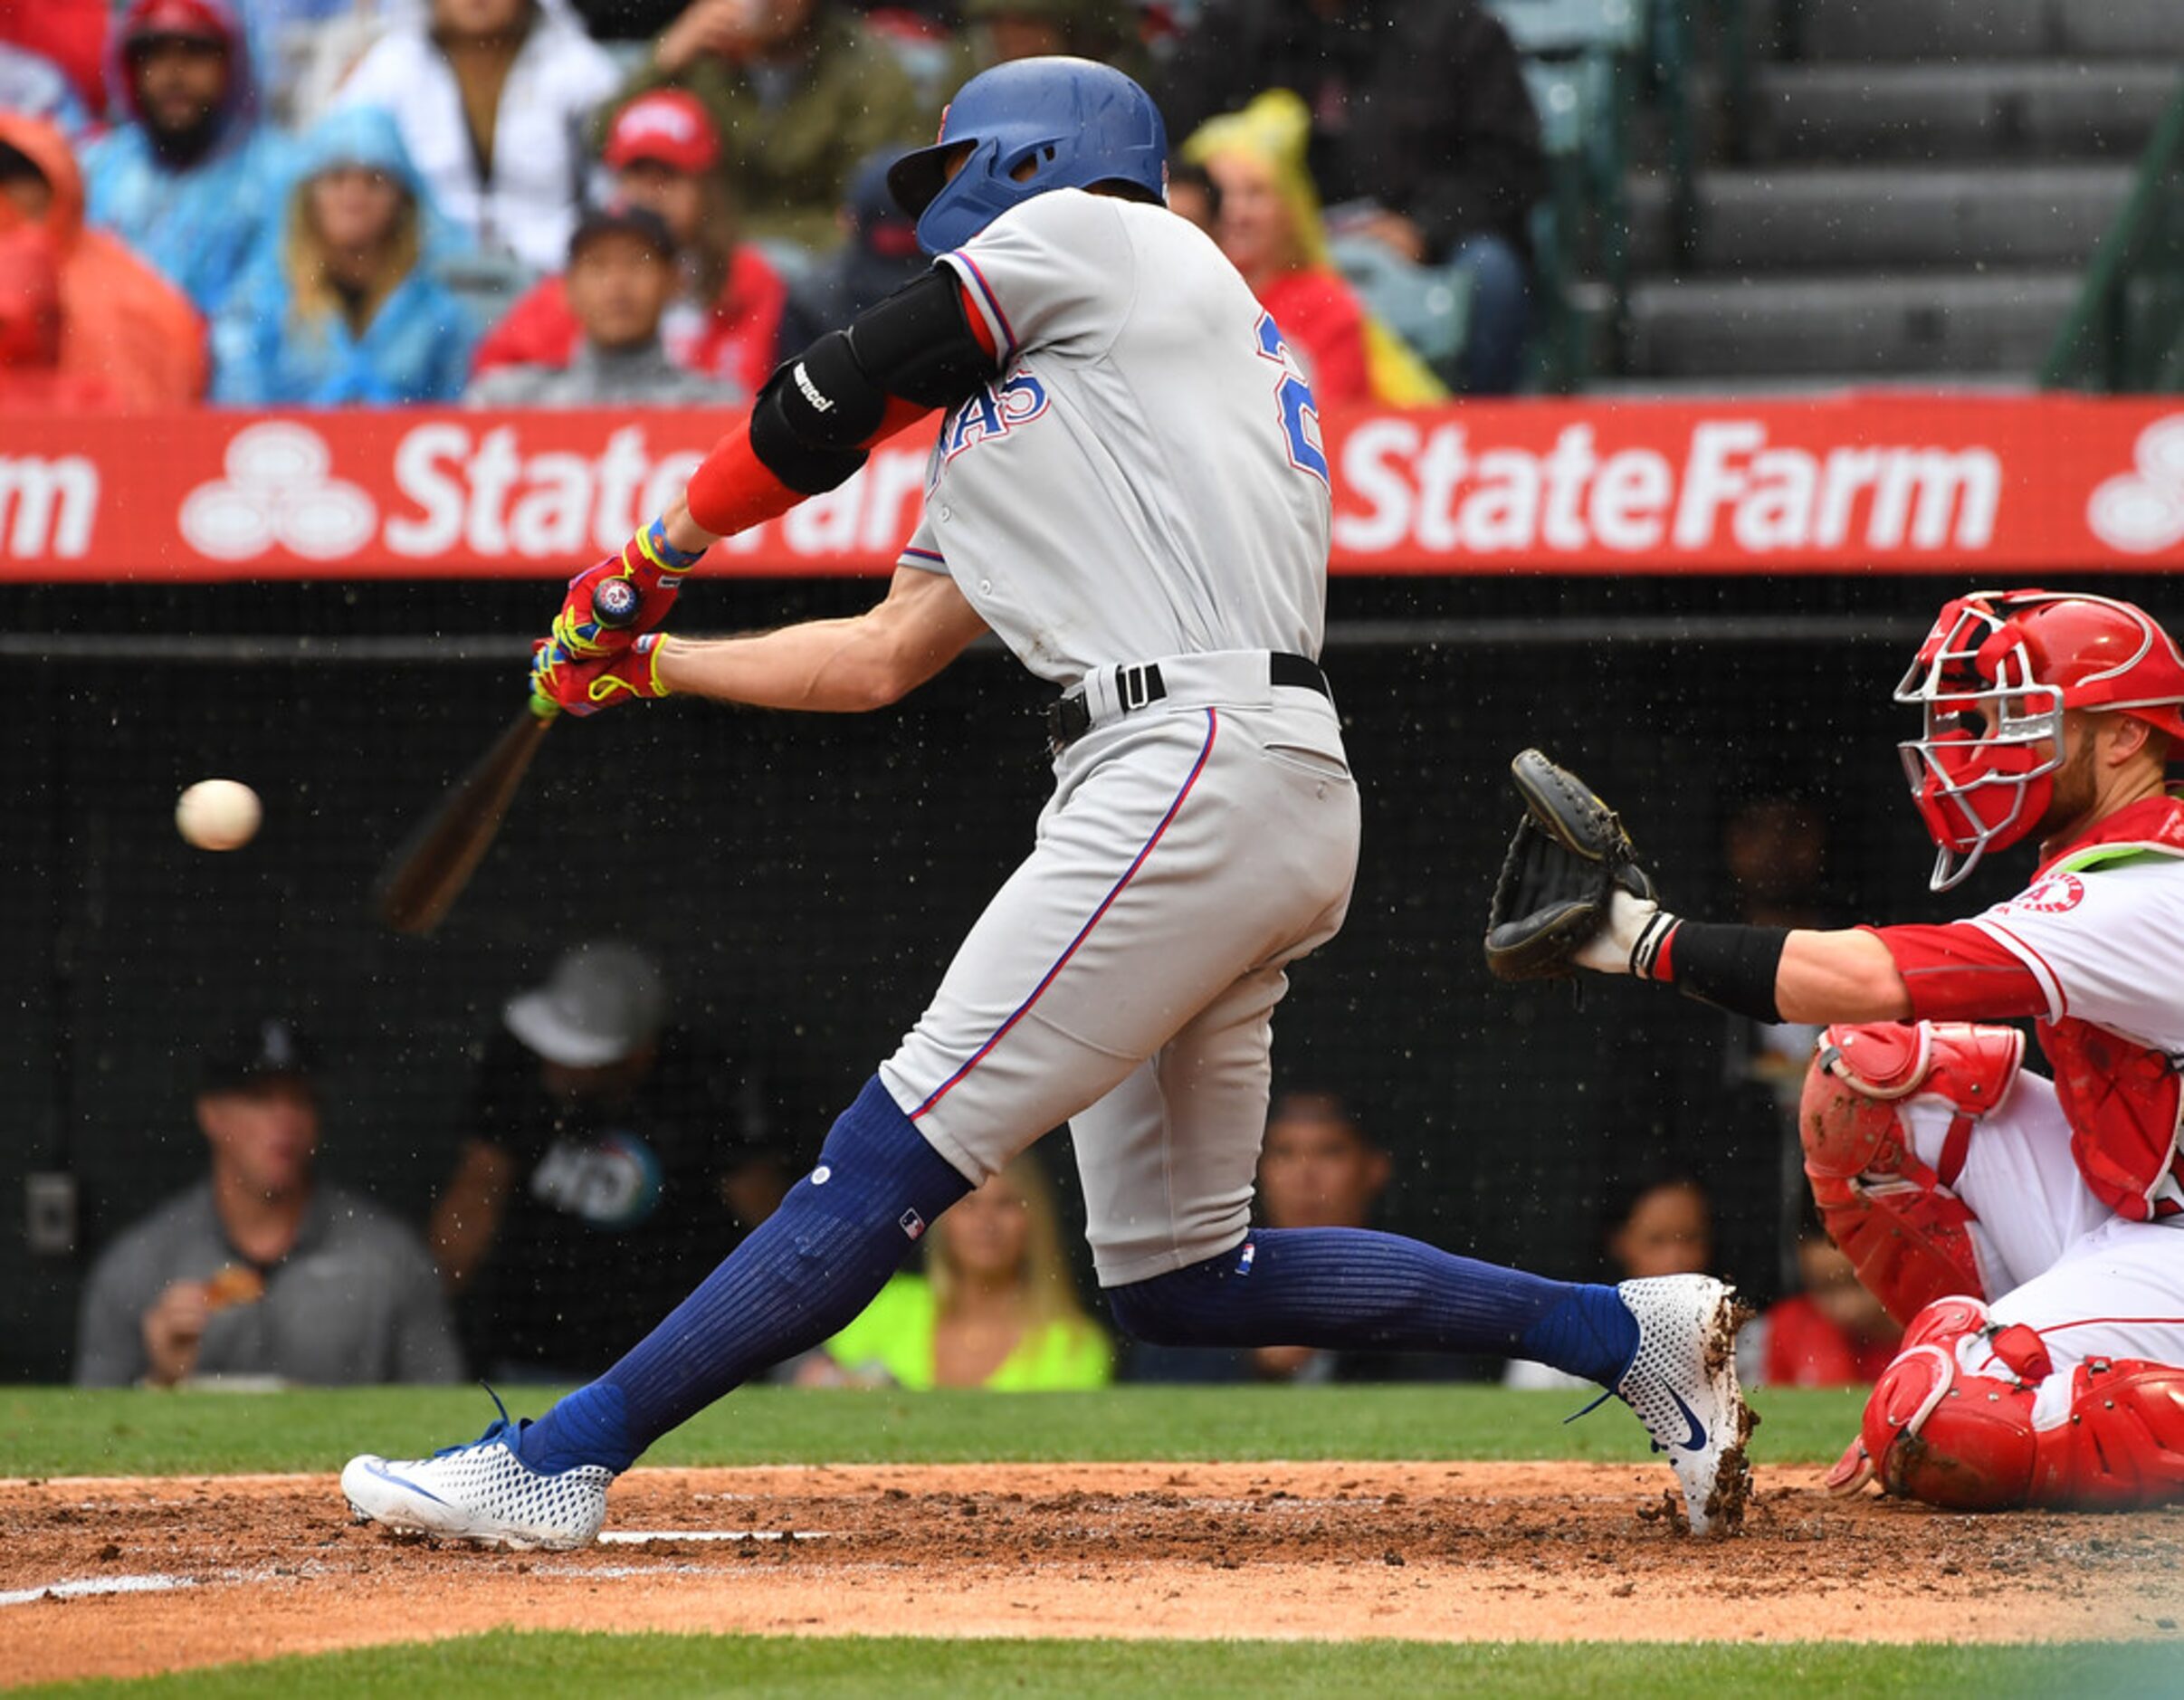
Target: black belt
(1069,718)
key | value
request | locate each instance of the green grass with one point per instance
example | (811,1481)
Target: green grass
(59,1431)
(523,1666)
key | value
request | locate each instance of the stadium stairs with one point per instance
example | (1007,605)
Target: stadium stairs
(1916,195)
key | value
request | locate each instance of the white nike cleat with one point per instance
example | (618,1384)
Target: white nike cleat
(1682,1384)
(483,1492)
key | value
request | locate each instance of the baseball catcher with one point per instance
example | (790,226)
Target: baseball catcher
(2028,1230)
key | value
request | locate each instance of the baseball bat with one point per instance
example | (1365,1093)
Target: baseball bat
(422,879)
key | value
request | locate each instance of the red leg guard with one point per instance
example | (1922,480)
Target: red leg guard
(1904,1231)
(2122,1445)
(1967,1442)
(1964,1442)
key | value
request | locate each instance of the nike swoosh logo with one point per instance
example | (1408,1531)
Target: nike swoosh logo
(386,1474)
(1697,1443)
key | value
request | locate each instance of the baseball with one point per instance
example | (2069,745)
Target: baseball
(218,814)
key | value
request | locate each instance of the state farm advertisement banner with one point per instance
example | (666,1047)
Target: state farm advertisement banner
(1881,482)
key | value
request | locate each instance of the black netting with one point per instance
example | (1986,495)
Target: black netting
(805,878)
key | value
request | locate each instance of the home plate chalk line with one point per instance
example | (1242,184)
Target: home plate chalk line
(97,1585)
(640,1537)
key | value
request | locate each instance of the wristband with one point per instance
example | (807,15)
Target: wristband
(1730,966)
(652,543)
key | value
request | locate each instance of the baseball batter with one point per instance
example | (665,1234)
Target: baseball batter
(2029,1231)
(1130,490)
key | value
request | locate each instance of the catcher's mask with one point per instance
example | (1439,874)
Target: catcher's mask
(1031,125)
(1994,676)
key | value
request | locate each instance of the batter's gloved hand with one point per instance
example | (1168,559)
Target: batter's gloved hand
(561,682)
(1570,889)
(652,568)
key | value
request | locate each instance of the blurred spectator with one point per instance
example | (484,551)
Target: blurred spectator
(995,1308)
(610,1164)
(340,306)
(1774,849)
(307,49)
(1317,1167)
(190,181)
(70,34)
(1192,193)
(1269,227)
(724,321)
(30,331)
(34,85)
(259,1269)
(1660,1225)
(799,91)
(879,255)
(1833,1333)
(494,98)
(1104,30)
(1424,145)
(621,273)
(125,330)
(626,20)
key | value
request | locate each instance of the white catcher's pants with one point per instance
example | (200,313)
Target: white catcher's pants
(1124,978)
(2055,1258)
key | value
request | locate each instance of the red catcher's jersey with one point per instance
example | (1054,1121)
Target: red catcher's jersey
(2094,948)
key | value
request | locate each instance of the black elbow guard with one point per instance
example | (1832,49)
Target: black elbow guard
(917,343)
(813,415)
(816,412)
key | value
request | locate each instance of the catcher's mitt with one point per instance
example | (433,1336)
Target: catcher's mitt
(1568,855)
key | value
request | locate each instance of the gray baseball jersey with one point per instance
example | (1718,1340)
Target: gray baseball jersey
(1145,478)
(1141,482)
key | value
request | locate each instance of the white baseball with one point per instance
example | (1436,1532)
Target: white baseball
(218,814)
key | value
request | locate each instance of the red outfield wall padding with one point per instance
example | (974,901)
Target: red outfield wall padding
(1863,482)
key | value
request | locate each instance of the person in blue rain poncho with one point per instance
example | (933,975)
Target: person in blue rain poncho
(189,180)
(340,306)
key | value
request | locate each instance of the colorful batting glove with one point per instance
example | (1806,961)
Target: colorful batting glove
(561,682)
(654,569)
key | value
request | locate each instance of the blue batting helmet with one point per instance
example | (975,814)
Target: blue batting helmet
(1031,125)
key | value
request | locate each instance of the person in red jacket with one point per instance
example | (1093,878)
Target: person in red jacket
(72,33)
(725,323)
(123,328)
(31,326)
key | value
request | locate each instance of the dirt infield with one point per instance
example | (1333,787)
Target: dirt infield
(116,1578)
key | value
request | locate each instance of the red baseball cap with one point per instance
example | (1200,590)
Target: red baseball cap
(149,20)
(668,127)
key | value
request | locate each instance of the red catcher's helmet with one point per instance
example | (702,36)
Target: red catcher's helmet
(1995,675)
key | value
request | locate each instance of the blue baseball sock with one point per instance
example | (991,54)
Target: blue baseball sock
(1345,1288)
(803,1275)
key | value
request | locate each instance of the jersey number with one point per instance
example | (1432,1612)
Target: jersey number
(1293,396)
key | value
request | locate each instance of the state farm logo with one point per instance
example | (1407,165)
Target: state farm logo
(278,490)
(2143,511)
(2055,897)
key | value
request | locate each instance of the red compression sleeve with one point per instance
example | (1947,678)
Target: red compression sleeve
(733,490)
(1960,972)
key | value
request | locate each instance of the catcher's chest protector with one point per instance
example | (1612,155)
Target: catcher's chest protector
(1896,1219)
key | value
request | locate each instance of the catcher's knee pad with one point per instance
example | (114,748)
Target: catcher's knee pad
(1895,1215)
(1936,1433)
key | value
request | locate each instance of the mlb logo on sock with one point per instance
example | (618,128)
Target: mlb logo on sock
(911,1224)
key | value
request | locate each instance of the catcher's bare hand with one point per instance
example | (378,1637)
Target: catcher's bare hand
(1571,893)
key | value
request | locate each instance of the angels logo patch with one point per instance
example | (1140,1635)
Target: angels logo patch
(2054,896)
